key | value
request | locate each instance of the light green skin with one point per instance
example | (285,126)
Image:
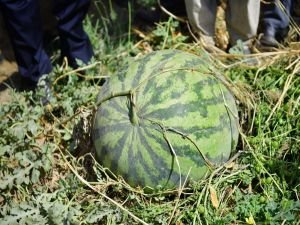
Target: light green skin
(165,119)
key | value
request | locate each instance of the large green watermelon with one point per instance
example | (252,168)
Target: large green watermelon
(164,118)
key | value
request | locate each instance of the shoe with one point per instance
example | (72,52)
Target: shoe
(24,84)
(240,48)
(44,90)
(208,44)
(149,15)
(41,88)
(1,57)
(176,7)
(269,41)
(244,50)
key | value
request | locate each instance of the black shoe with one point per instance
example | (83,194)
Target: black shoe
(269,41)
(176,7)
(149,15)
(25,84)
(40,88)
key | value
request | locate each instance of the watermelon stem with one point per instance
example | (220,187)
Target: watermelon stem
(113,95)
(133,117)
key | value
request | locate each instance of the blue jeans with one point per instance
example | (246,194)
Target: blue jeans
(23,22)
(274,21)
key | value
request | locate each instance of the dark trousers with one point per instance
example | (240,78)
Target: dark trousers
(23,22)
(275,22)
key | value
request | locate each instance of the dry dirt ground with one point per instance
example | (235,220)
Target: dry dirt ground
(8,66)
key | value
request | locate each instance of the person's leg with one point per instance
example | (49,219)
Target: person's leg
(22,19)
(75,43)
(275,17)
(176,7)
(157,11)
(202,15)
(242,17)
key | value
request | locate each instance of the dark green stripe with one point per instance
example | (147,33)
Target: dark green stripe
(188,150)
(157,94)
(101,131)
(122,73)
(156,97)
(116,105)
(116,153)
(182,109)
(107,112)
(155,68)
(206,81)
(132,161)
(107,157)
(217,159)
(104,91)
(148,168)
(141,69)
(159,162)
(207,131)
(155,158)
(194,63)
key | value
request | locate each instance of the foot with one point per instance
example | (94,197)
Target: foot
(208,44)
(24,84)
(241,48)
(244,52)
(150,14)
(1,57)
(269,41)
(41,88)
(44,90)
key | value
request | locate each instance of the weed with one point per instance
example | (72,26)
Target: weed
(41,182)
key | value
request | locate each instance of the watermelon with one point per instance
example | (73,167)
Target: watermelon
(164,119)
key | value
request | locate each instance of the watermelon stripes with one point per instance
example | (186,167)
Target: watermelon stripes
(150,106)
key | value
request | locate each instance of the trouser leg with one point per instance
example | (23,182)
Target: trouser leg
(242,17)
(275,19)
(23,23)
(176,7)
(75,43)
(202,15)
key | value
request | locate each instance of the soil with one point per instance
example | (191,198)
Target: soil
(8,67)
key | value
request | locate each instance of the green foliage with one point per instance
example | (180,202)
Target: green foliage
(22,159)
(167,35)
(42,183)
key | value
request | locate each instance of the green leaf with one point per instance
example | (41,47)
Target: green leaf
(5,149)
(67,136)
(98,214)
(35,175)
(32,127)
(19,131)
